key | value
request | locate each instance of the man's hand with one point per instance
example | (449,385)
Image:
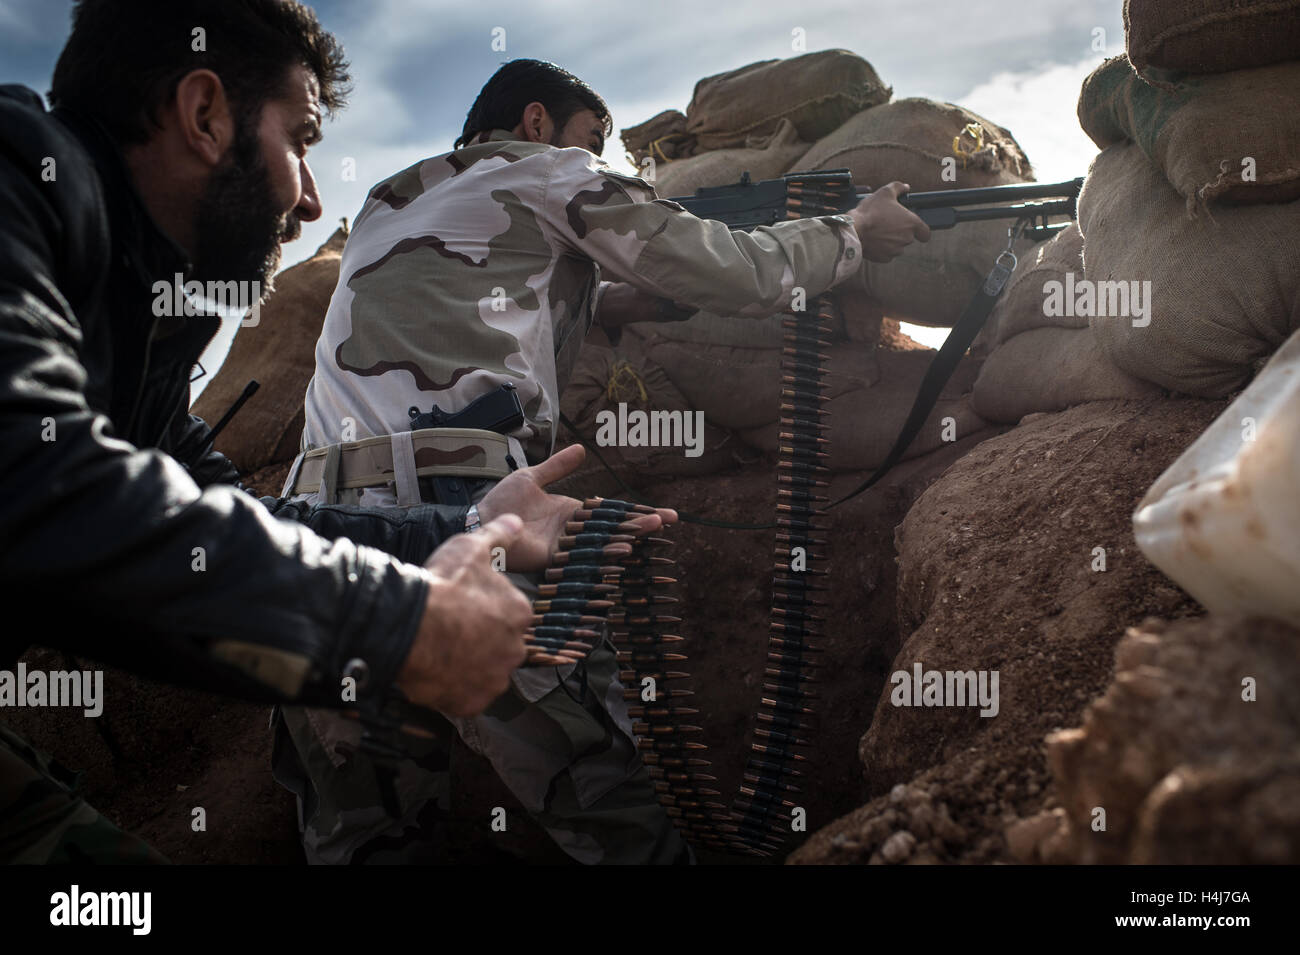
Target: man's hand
(884,227)
(544,514)
(472,635)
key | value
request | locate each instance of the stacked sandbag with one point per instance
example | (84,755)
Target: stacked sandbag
(730,368)
(1233,137)
(910,139)
(662,137)
(280,353)
(1211,36)
(606,377)
(931,283)
(1046,357)
(817,92)
(871,391)
(1224,288)
(763,157)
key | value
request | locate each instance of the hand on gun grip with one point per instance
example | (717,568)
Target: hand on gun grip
(884,227)
(472,636)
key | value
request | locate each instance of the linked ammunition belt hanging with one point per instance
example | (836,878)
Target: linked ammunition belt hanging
(587,587)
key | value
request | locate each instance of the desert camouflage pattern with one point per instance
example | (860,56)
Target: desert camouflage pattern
(565,757)
(44,822)
(480,266)
(460,452)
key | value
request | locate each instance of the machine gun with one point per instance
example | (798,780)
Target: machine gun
(797,195)
(1030,207)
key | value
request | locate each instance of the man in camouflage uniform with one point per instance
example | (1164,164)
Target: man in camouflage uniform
(483,266)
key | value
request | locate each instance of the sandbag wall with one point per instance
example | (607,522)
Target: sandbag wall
(1184,274)
(819,111)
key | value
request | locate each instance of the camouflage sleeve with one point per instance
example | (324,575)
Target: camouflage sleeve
(656,245)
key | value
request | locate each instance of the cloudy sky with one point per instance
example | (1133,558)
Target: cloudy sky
(418,65)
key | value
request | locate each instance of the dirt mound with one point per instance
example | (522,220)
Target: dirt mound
(219,751)
(996,573)
(1193,752)
(280,353)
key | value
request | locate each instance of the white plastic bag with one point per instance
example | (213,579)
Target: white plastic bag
(1224,520)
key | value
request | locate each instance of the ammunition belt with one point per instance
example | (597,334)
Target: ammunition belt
(628,592)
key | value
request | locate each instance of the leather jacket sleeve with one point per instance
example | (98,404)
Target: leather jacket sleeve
(185,437)
(116,551)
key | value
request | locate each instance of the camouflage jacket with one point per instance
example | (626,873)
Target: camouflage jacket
(481,266)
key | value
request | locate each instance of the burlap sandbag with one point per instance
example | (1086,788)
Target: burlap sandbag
(280,353)
(1231,136)
(1024,303)
(817,92)
(1211,36)
(931,283)
(709,328)
(908,140)
(735,387)
(764,157)
(662,137)
(604,377)
(873,391)
(1050,369)
(857,318)
(1226,288)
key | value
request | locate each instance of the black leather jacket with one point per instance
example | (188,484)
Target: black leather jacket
(108,511)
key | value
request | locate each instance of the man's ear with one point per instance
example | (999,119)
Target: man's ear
(203,112)
(537,124)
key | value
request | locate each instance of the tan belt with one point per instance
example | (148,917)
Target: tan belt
(402,459)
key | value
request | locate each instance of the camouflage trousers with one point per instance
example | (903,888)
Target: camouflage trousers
(565,755)
(560,739)
(44,822)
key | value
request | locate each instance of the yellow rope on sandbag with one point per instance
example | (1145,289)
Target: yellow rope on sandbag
(976,132)
(623,376)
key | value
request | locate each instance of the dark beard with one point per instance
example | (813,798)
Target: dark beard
(239,227)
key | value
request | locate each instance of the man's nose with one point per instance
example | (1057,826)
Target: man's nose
(309,205)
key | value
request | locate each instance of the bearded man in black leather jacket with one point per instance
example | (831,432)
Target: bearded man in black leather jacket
(177,146)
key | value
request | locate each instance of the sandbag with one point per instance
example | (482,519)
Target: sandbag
(1201,132)
(909,139)
(816,92)
(858,319)
(931,283)
(280,353)
(1050,369)
(709,328)
(873,390)
(735,387)
(605,377)
(764,157)
(1226,287)
(1211,36)
(1024,303)
(738,386)
(662,137)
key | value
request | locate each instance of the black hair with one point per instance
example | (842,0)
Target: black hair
(501,102)
(123,61)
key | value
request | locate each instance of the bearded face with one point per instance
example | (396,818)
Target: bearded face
(239,223)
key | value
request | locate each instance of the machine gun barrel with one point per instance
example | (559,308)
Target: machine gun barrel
(987,195)
(748,204)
